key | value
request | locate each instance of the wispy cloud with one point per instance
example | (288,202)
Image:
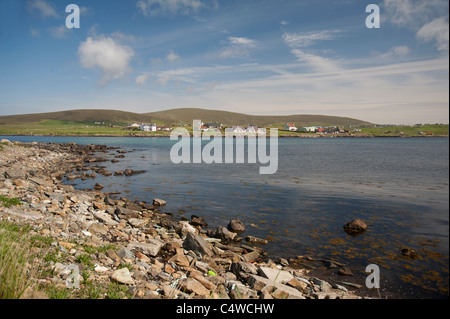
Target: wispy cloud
(300,40)
(400,51)
(436,31)
(107,55)
(299,44)
(429,19)
(44,8)
(141,79)
(172,57)
(236,47)
(173,7)
(413,13)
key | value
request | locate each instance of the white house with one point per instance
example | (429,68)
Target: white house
(311,128)
(134,125)
(148,127)
(238,129)
(251,129)
(261,130)
(290,127)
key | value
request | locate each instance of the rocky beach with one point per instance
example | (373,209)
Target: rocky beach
(89,244)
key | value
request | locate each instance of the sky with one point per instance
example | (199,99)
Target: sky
(261,57)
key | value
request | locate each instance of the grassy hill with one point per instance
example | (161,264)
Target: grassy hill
(173,117)
(112,122)
(186,116)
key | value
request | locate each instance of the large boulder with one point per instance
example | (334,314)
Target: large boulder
(197,244)
(223,234)
(236,226)
(356,226)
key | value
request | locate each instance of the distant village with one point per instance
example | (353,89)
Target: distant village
(251,128)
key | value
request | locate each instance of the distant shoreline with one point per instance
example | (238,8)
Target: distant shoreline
(280,136)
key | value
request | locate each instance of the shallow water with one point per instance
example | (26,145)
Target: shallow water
(399,186)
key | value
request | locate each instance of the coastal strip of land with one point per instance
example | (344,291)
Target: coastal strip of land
(84,244)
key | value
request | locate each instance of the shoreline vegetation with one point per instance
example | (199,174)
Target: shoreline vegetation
(427,131)
(88,244)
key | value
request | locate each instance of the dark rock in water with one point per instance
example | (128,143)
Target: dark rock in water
(130,172)
(98,186)
(222,233)
(256,240)
(344,271)
(236,226)
(118,173)
(329,264)
(410,253)
(198,221)
(355,226)
(159,202)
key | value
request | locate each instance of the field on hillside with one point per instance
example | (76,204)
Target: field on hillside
(67,128)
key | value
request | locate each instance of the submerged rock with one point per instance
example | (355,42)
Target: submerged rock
(236,226)
(356,226)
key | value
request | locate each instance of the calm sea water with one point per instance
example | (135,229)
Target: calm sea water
(399,186)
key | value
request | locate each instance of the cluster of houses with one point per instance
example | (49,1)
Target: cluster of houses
(148,127)
(318,129)
(250,128)
(205,127)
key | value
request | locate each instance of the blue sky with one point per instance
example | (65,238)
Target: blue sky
(250,56)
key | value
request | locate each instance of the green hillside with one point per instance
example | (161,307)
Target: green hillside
(187,115)
(169,118)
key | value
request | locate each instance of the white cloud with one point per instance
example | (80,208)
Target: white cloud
(112,58)
(395,52)
(316,62)
(241,41)
(141,79)
(299,42)
(413,13)
(236,47)
(429,19)
(307,39)
(437,31)
(172,57)
(164,7)
(43,7)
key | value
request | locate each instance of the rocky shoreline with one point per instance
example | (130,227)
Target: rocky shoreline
(135,247)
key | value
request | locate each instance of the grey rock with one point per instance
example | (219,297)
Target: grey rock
(197,244)
(223,234)
(259,283)
(159,202)
(275,275)
(236,226)
(104,218)
(125,253)
(122,276)
(152,247)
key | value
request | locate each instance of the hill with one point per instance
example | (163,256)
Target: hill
(174,117)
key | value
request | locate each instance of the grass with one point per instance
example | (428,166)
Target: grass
(18,262)
(408,130)
(8,202)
